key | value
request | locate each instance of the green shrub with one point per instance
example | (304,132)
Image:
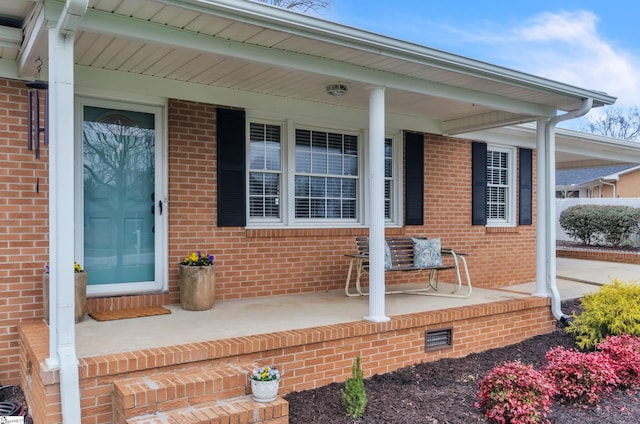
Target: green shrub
(592,224)
(353,394)
(612,310)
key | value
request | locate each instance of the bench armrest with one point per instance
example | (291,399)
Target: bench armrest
(356,256)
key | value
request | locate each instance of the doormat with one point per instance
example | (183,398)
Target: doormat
(143,311)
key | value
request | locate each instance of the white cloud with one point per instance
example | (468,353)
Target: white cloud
(567,47)
(563,46)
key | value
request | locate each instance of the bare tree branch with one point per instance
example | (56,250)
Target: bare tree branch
(303,6)
(617,123)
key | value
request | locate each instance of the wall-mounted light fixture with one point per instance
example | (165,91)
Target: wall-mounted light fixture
(337,89)
(33,112)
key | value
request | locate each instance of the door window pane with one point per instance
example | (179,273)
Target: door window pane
(118,183)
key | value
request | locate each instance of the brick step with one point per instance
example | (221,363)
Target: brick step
(150,394)
(242,410)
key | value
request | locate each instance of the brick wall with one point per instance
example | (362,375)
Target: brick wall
(595,254)
(270,262)
(23,225)
(249,263)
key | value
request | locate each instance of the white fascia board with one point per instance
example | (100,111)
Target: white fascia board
(567,141)
(483,121)
(312,27)
(35,44)
(121,26)
(626,171)
(616,176)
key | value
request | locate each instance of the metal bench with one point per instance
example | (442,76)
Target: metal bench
(402,259)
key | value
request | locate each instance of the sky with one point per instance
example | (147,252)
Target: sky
(589,44)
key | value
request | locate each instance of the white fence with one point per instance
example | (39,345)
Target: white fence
(562,204)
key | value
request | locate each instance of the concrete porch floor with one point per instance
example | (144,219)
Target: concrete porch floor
(266,315)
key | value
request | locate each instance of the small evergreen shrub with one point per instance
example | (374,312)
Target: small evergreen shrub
(612,310)
(624,351)
(580,377)
(353,394)
(515,393)
(600,224)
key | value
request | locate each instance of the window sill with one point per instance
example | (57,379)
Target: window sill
(498,230)
(315,232)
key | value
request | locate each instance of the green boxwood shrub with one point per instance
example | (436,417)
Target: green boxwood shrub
(612,310)
(600,224)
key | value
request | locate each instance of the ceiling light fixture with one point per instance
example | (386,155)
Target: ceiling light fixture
(338,89)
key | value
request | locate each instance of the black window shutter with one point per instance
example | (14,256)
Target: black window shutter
(230,133)
(414,179)
(526,187)
(479,183)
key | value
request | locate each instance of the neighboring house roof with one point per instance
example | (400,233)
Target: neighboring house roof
(583,176)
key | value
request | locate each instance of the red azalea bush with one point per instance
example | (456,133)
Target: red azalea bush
(516,393)
(624,351)
(580,377)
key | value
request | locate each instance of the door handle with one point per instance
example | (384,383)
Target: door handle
(160,206)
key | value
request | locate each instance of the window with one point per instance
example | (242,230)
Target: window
(301,176)
(388,178)
(265,171)
(500,186)
(326,175)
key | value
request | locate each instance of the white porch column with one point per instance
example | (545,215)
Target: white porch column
(62,349)
(541,208)
(550,217)
(376,206)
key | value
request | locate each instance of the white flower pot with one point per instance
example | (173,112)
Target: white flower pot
(264,391)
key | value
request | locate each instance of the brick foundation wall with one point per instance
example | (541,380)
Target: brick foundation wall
(310,358)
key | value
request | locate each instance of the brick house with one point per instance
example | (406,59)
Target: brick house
(271,140)
(611,181)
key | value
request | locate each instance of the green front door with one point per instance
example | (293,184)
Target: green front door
(120,206)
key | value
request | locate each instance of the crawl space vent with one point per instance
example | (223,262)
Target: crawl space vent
(438,339)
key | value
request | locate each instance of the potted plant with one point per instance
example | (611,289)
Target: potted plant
(264,383)
(197,282)
(80,289)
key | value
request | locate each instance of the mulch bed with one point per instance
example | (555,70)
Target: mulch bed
(444,392)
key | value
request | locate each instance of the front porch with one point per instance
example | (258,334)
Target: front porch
(312,338)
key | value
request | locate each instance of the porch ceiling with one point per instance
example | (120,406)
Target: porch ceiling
(261,49)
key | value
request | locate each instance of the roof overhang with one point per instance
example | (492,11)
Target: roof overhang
(573,148)
(257,48)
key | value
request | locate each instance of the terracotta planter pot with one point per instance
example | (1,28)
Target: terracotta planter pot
(80,281)
(197,287)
